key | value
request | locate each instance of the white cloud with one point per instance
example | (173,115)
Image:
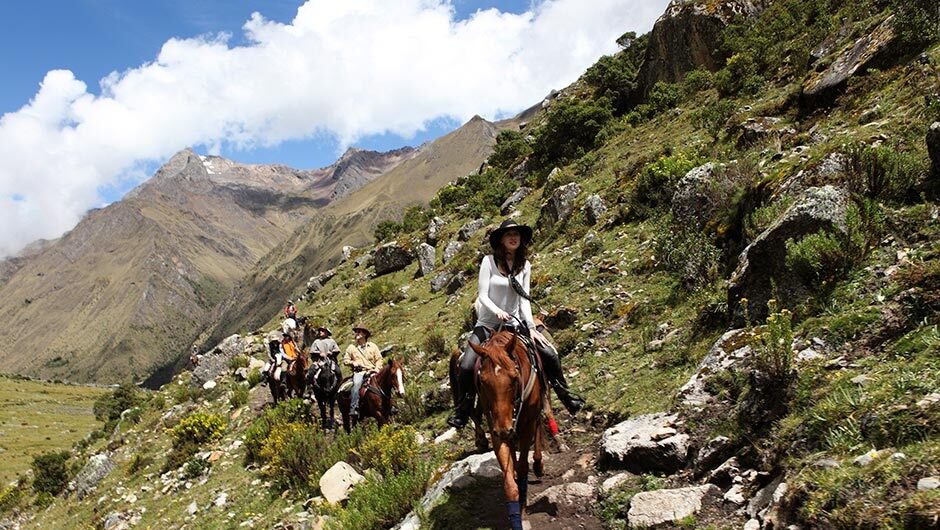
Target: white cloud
(344,68)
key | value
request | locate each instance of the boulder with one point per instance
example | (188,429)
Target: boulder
(630,445)
(559,206)
(928,483)
(764,496)
(714,451)
(762,272)
(517,172)
(614,482)
(466,231)
(391,257)
(217,361)
(514,199)
(821,89)
(933,148)
(337,482)
(347,253)
(594,209)
(451,250)
(435,226)
(571,493)
(426,257)
(97,468)
(702,193)
(456,282)
(651,508)
(315,283)
(761,129)
(461,474)
(439,281)
(684,38)
(364,260)
(561,318)
(729,350)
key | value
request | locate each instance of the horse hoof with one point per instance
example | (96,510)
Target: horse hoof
(538,468)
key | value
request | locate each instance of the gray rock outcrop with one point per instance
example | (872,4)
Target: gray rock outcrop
(466,231)
(762,272)
(426,257)
(727,351)
(684,38)
(645,443)
(391,257)
(460,475)
(439,281)
(97,468)
(451,250)
(514,199)
(594,209)
(217,361)
(317,282)
(651,508)
(701,193)
(821,89)
(559,206)
(435,226)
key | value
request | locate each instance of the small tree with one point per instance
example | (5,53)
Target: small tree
(50,474)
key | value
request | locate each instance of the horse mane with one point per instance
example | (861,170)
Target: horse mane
(500,352)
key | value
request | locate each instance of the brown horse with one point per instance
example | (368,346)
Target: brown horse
(295,381)
(511,397)
(376,399)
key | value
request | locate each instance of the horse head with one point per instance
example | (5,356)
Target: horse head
(500,380)
(397,375)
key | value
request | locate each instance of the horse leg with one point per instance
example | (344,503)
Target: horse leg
(537,467)
(522,463)
(506,458)
(480,436)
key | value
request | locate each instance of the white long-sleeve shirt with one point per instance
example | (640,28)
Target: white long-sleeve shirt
(495,293)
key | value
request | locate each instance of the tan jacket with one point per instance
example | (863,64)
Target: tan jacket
(367,357)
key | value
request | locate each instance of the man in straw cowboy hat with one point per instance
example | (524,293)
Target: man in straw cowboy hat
(364,358)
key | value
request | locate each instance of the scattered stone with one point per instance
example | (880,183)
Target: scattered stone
(827,463)
(456,282)
(862,380)
(735,495)
(559,206)
(701,193)
(594,209)
(217,361)
(867,458)
(752,524)
(192,508)
(391,257)
(613,482)
(364,260)
(435,225)
(762,272)
(929,400)
(629,445)
(514,200)
(570,493)
(97,468)
(762,499)
(808,354)
(315,283)
(724,474)
(716,450)
(347,252)
(209,385)
(426,258)
(759,130)
(727,351)
(336,483)
(651,508)
(439,281)
(451,250)
(928,483)
(561,318)
(449,434)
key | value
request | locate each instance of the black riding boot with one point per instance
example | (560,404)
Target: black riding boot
(556,378)
(464,401)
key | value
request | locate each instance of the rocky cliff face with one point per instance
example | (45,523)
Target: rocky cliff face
(686,37)
(131,285)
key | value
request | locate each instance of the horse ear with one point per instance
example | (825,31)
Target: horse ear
(481,351)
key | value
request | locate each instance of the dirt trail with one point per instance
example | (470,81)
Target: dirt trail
(482,505)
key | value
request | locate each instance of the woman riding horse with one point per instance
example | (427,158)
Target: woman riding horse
(503,287)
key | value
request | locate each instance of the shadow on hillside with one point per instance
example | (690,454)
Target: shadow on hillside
(477,506)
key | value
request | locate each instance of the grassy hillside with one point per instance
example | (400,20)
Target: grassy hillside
(849,368)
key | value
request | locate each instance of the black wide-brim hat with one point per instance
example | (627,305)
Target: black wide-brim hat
(506,226)
(362,329)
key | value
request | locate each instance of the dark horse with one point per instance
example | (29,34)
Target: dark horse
(511,396)
(324,377)
(376,401)
(294,383)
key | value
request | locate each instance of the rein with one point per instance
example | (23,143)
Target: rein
(533,374)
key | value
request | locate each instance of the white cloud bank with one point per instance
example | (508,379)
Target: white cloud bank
(341,67)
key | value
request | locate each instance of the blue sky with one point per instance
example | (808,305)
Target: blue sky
(92,38)
(97,94)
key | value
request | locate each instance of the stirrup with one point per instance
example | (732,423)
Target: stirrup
(458,420)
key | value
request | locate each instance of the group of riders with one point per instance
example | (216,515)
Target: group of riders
(503,303)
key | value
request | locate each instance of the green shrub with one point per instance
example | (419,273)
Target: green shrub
(377,292)
(435,343)
(664,96)
(688,253)
(254,377)
(198,428)
(290,411)
(390,450)
(50,473)
(570,131)
(12,496)
(510,148)
(819,257)
(488,190)
(741,75)
(614,76)
(917,22)
(696,81)
(386,230)
(239,361)
(884,172)
(773,354)
(239,396)
(450,196)
(196,467)
(657,180)
(137,462)
(415,218)
(714,117)
(108,408)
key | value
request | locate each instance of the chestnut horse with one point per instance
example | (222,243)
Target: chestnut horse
(376,401)
(511,396)
(295,380)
